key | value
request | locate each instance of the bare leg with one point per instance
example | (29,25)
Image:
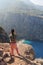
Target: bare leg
(12,51)
(17,51)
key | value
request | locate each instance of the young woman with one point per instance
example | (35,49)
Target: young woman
(13,42)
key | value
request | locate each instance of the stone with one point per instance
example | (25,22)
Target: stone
(26,51)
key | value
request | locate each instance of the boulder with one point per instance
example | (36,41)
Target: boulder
(26,50)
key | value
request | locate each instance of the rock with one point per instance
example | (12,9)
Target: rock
(39,61)
(26,51)
(8,59)
(3,36)
(2,62)
(26,57)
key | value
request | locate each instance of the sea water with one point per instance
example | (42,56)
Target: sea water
(37,46)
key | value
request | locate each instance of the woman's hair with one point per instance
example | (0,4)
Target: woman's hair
(12,31)
(13,34)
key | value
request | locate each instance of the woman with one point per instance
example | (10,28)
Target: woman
(13,42)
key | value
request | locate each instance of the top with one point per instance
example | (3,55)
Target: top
(12,37)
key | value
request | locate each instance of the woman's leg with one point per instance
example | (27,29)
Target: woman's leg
(17,50)
(12,50)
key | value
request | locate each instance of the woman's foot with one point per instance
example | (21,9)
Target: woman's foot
(12,55)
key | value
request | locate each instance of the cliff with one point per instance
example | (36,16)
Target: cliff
(27,55)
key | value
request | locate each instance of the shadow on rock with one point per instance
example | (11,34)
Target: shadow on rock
(23,58)
(10,59)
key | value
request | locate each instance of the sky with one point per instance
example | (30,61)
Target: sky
(37,2)
(5,4)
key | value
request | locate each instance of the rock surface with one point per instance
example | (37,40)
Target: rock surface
(26,51)
(27,55)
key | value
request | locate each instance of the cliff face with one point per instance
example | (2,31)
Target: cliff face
(27,26)
(3,36)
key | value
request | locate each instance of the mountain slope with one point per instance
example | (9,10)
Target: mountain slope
(27,27)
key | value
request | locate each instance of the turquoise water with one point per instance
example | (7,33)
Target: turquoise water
(37,46)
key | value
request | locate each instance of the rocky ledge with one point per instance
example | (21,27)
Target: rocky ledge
(26,57)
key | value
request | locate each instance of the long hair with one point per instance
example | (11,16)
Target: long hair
(12,31)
